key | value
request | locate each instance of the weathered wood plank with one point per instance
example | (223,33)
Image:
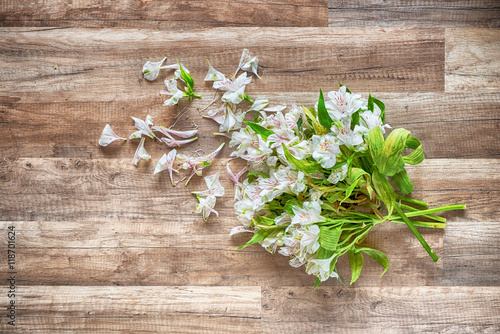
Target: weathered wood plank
(37,127)
(92,61)
(164,14)
(45,309)
(473,60)
(427,13)
(95,189)
(381,310)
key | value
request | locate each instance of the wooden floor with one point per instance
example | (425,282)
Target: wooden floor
(103,246)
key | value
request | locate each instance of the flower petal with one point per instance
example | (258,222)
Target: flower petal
(108,136)
(174,142)
(141,153)
(152,69)
(213,74)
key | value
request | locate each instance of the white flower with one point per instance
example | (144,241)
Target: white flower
(218,115)
(247,63)
(172,90)
(141,153)
(321,268)
(197,163)
(108,136)
(143,127)
(234,89)
(370,120)
(338,174)
(213,74)
(325,150)
(213,185)
(235,178)
(310,213)
(152,69)
(284,218)
(310,237)
(206,206)
(232,121)
(352,139)
(342,104)
(167,163)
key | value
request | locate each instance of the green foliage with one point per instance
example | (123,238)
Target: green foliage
(329,237)
(302,165)
(376,255)
(323,116)
(259,129)
(356,261)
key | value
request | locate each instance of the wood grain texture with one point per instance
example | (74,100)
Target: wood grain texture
(381,310)
(426,13)
(188,309)
(164,14)
(473,60)
(86,61)
(106,247)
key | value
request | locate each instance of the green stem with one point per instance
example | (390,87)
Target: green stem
(415,232)
(196,95)
(424,212)
(422,223)
(412,201)
(430,216)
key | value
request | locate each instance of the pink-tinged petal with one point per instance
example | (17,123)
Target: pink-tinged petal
(211,156)
(275,109)
(235,178)
(240,229)
(108,136)
(167,163)
(218,114)
(144,126)
(176,143)
(167,132)
(136,135)
(141,153)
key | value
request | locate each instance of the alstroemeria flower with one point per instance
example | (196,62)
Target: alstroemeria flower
(213,185)
(325,150)
(141,153)
(172,90)
(248,64)
(206,206)
(342,104)
(234,89)
(338,174)
(321,268)
(259,104)
(370,120)
(143,127)
(352,139)
(213,74)
(197,163)
(240,229)
(108,136)
(152,69)
(308,214)
(232,121)
(167,163)
(310,237)
(218,115)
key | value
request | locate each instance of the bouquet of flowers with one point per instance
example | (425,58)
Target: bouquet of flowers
(318,182)
(317,179)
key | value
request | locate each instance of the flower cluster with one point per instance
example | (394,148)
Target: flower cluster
(316,179)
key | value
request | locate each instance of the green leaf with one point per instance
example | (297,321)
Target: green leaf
(323,253)
(384,190)
(317,283)
(311,117)
(188,79)
(259,129)
(302,165)
(299,124)
(329,238)
(259,236)
(323,116)
(290,203)
(356,261)
(255,172)
(382,108)
(403,181)
(390,160)
(376,143)
(370,103)
(416,233)
(377,256)
(417,156)
(355,119)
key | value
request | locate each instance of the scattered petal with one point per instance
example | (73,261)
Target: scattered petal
(108,136)
(141,153)
(152,69)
